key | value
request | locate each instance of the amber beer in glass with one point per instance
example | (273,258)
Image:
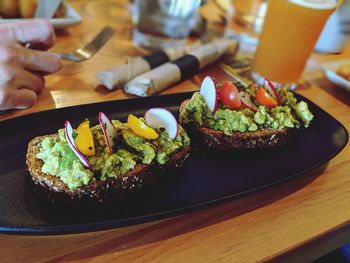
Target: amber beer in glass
(288,37)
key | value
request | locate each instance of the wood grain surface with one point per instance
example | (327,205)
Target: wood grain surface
(295,221)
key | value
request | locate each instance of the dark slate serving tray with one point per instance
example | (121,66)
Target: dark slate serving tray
(205,179)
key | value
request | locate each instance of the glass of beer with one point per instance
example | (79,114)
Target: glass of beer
(290,31)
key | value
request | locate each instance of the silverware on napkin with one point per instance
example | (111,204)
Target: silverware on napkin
(116,77)
(182,68)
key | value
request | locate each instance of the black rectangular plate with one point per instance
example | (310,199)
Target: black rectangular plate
(205,178)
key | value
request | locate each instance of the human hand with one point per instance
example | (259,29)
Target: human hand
(21,69)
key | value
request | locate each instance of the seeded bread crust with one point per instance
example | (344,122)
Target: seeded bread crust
(52,189)
(260,139)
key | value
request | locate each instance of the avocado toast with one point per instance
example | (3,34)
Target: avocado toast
(104,169)
(233,116)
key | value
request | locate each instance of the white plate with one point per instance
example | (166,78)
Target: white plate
(330,70)
(71,18)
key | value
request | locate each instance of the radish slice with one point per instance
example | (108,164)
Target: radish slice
(272,90)
(71,143)
(162,118)
(209,92)
(108,129)
(247,101)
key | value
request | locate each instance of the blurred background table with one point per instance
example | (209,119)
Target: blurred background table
(295,221)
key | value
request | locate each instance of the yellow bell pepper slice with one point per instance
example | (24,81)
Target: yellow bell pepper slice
(140,128)
(84,140)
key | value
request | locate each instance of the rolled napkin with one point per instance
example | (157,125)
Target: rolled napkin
(116,77)
(180,69)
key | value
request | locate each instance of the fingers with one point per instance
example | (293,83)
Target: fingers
(19,86)
(17,99)
(20,89)
(24,98)
(13,76)
(40,61)
(32,60)
(33,31)
(27,80)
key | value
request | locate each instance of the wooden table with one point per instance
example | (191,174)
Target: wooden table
(295,221)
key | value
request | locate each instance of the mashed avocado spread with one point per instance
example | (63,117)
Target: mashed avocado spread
(291,115)
(59,160)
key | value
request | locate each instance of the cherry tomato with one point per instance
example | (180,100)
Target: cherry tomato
(229,95)
(264,98)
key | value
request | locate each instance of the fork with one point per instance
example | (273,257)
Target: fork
(91,48)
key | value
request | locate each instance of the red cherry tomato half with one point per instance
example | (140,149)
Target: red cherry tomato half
(229,95)
(264,98)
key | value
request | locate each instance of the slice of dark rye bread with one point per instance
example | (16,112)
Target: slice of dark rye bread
(53,189)
(260,139)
